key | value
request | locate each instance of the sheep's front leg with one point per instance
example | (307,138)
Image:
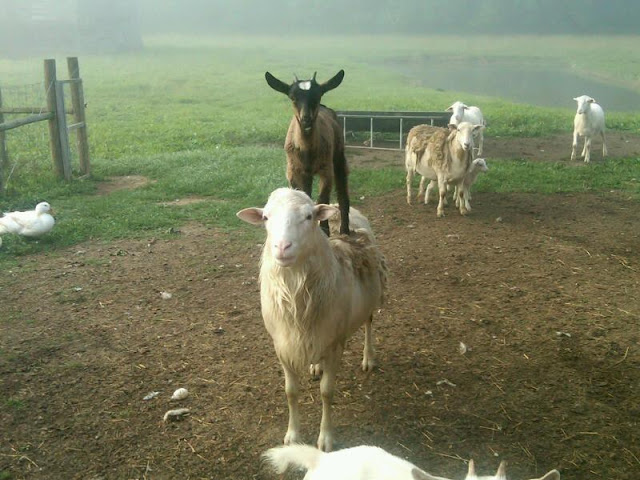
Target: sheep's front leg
(480,143)
(368,360)
(586,152)
(461,199)
(330,365)
(409,181)
(442,192)
(574,145)
(604,146)
(292,390)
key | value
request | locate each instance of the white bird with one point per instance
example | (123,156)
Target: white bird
(32,223)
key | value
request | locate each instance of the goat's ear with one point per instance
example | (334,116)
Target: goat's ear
(333,82)
(277,85)
(251,215)
(418,474)
(552,475)
(324,211)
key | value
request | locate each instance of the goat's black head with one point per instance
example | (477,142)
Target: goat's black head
(305,95)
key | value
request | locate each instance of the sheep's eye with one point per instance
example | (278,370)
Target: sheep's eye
(309,217)
(265,218)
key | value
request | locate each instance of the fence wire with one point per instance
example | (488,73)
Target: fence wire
(28,151)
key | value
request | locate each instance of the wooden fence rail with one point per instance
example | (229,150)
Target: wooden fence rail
(55,115)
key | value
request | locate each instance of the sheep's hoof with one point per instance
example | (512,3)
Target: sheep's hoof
(408,201)
(325,442)
(440,214)
(368,364)
(315,369)
(292,437)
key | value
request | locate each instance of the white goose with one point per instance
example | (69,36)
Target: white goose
(32,223)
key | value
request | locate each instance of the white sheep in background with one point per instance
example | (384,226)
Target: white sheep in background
(440,154)
(363,463)
(315,292)
(477,166)
(463,113)
(588,122)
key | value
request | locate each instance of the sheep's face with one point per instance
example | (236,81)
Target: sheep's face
(305,96)
(584,103)
(480,164)
(464,133)
(291,220)
(457,111)
(471,475)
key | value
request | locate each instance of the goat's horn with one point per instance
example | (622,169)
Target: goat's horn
(502,470)
(472,469)
(314,76)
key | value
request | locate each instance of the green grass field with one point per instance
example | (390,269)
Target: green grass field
(196,117)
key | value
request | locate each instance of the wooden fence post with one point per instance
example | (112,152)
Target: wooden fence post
(77,99)
(54,131)
(3,150)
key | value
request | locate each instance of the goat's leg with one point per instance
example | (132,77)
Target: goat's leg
(330,364)
(340,174)
(586,152)
(574,145)
(292,389)
(368,360)
(409,180)
(604,145)
(324,196)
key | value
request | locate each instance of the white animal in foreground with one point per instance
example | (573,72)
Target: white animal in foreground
(588,122)
(32,223)
(462,113)
(363,463)
(315,292)
(477,166)
(440,154)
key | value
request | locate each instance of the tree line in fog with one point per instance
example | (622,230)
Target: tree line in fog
(392,16)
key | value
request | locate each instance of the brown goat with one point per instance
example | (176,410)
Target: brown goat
(314,143)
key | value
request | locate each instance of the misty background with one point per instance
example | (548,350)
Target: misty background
(38,26)
(413,17)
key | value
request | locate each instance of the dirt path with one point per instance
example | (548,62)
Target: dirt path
(542,290)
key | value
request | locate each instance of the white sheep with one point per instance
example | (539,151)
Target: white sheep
(463,113)
(477,166)
(440,154)
(315,292)
(363,463)
(588,122)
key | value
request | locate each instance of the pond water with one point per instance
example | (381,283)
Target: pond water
(543,85)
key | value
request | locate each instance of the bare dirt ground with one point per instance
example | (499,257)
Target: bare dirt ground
(542,290)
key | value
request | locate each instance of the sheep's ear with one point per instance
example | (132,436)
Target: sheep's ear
(453,126)
(552,475)
(478,128)
(324,212)
(251,215)
(418,474)
(576,98)
(277,85)
(449,109)
(591,100)
(502,471)
(333,82)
